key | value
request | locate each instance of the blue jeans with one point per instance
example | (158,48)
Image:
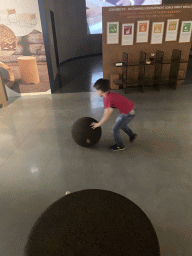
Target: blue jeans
(121,123)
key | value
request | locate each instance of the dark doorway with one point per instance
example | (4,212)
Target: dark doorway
(54,38)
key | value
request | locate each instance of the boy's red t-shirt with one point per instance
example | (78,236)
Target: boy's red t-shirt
(115,100)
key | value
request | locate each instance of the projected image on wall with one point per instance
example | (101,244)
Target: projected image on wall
(94,11)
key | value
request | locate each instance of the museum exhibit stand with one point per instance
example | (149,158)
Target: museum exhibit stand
(156,63)
(146,46)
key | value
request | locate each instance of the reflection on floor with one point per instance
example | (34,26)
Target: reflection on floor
(80,74)
(39,160)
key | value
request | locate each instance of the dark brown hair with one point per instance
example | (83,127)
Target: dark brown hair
(103,85)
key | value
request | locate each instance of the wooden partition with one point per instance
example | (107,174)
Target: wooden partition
(3,95)
(114,52)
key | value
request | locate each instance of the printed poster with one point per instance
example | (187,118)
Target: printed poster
(23,39)
(172,30)
(112,32)
(185,34)
(127,34)
(142,31)
(157,32)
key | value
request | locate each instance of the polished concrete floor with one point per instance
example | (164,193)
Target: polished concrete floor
(79,74)
(39,161)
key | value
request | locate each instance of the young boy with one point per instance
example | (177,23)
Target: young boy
(126,108)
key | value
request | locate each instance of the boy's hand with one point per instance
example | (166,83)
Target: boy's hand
(94,125)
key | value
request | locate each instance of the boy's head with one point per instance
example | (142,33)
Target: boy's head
(102,86)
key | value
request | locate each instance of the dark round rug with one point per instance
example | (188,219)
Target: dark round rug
(93,222)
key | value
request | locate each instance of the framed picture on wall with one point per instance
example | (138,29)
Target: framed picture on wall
(172,30)
(127,34)
(185,33)
(112,32)
(142,31)
(157,32)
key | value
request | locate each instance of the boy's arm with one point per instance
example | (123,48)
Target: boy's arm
(106,116)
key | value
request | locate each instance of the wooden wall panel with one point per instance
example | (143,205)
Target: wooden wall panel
(113,52)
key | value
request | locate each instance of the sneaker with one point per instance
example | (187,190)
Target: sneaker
(133,137)
(116,147)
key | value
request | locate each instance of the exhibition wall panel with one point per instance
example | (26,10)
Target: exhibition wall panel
(147,29)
